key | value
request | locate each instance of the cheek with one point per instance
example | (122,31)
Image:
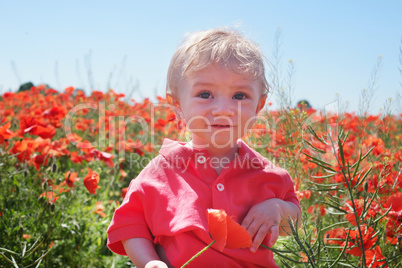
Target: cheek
(195,113)
(195,121)
(248,119)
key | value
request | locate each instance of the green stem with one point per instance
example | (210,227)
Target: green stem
(198,254)
(280,254)
(349,185)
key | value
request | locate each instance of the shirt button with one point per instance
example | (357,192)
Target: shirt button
(201,159)
(220,187)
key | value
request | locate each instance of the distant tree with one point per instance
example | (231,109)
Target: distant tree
(25,86)
(303,104)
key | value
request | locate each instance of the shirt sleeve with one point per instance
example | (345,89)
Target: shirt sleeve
(289,194)
(128,221)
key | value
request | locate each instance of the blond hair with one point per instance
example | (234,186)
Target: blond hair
(227,48)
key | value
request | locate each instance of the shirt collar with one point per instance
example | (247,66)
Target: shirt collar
(178,153)
(250,155)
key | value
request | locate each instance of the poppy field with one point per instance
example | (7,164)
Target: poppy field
(67,158)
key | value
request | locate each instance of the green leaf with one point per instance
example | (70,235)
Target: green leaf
(324,177)
(14,262)
(341,152)
(360,181)
(313,147)
(343,251)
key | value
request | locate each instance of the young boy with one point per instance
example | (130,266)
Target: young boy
(216,82)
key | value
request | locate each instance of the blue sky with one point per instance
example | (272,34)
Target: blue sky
(334,45)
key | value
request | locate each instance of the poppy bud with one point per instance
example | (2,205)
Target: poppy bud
(366,186)
(400,243)
(52,207)
(20,231)
(122,165)
(25,173)
(54,167)
(44,186)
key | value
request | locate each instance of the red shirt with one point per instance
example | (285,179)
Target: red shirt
(168,200)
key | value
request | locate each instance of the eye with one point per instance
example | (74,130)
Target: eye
(239,96)
(205,95)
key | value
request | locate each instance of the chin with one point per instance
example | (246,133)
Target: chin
(218,141)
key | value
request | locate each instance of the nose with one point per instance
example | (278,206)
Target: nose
(223,107)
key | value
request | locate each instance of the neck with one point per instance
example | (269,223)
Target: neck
(228,152)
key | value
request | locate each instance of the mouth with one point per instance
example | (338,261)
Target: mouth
(221,126)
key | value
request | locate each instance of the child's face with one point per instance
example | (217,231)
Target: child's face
(219,106)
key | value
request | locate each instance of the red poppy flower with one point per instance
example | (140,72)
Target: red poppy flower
(6,133)
(24,148)
(394,224)
(123,174)
(69,90)
(45,132)
(91,181)
(56,148)
(225,231)
(29,124)
(26,236)
(70,178)
(335,236)
(50,196)
(129,145)
(39,160)
(369,240)
(73,137)
(99,207)
(124,192)
(374,258)
(55,115)
(359,205)
(75,158)
(104,156)
(85,146)
(318,207)
(54,194)
(376,142)
(97,95)
(395,202)
(306,194)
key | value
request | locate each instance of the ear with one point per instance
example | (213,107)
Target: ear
(261,103)
(172,100)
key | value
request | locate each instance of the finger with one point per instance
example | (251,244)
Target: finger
(259,237)
(247,221)
(274,235)
(253,228)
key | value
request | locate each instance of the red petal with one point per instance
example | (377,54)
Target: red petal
(237,236)
(91,181)
(395,201)
(217,227)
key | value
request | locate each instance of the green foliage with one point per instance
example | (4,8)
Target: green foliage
(35,232)
(350,197)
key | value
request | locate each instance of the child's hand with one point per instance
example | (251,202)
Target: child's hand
(263,218)
(141,252)
(156,264)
